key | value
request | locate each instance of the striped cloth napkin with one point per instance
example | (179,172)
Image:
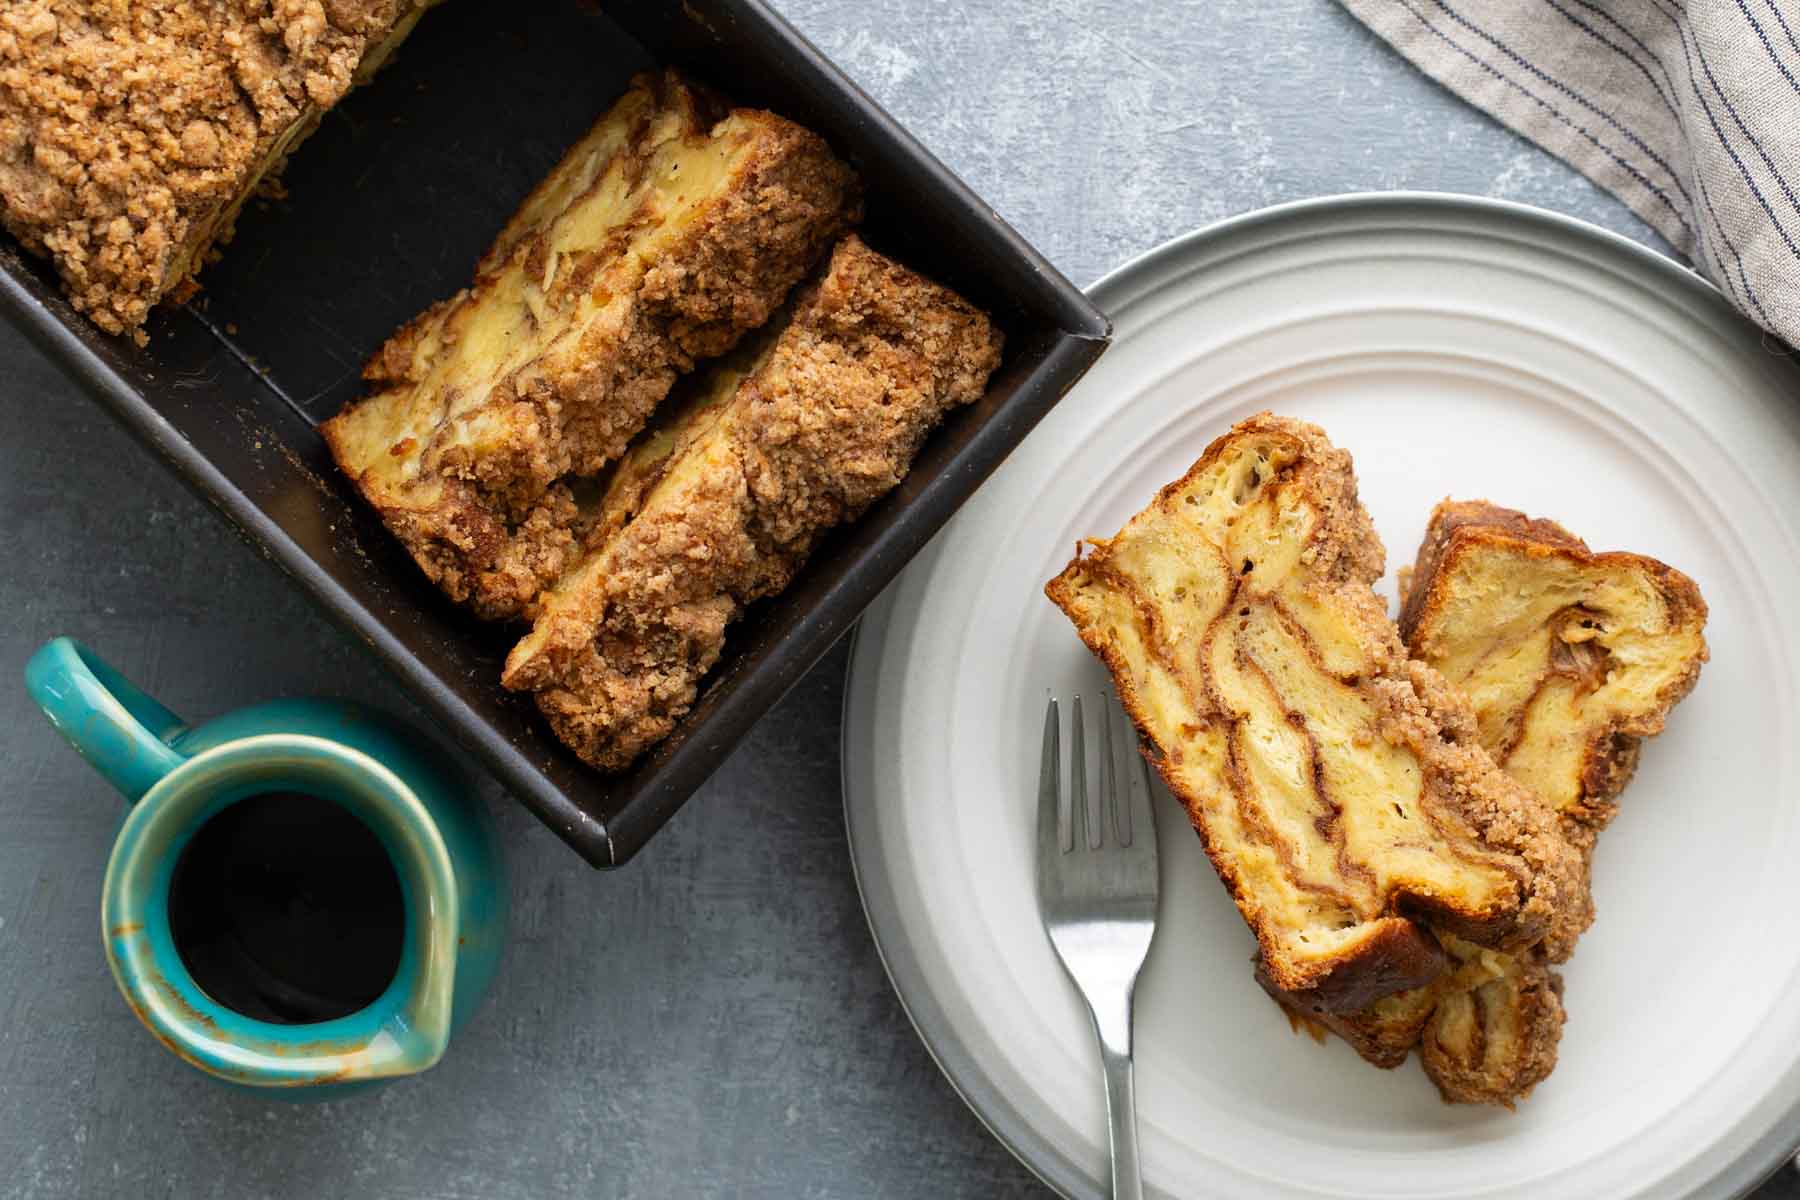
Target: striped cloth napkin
(1689,112)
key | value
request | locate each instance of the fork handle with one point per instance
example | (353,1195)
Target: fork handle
(1114,1029)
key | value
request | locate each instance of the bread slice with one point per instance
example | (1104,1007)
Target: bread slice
(1569,659)
(722,505)
(132,134)
(1337,787)
(668,231)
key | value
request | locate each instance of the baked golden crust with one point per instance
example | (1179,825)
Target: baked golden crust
(1570,659)
(1337,787)
(668,231)
(722,505)
(1384,1031)
(131,133)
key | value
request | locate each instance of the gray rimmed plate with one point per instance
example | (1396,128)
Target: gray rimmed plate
(1454,346)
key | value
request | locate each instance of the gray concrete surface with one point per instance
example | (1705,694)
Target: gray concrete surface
(712,1020)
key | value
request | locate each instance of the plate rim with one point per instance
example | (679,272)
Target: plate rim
(1760,1161)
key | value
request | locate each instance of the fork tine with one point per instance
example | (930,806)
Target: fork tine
(1050,826)
(1113,806)
(1079,799)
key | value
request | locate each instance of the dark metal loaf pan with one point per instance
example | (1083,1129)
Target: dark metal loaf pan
(390,203)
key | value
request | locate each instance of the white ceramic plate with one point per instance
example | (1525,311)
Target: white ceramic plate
(1455,347)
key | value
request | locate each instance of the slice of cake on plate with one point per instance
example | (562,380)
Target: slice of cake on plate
(1569,659)
(1338,787)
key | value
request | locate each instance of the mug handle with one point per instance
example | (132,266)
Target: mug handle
(123,733)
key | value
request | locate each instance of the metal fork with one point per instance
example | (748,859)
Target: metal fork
(1096,875)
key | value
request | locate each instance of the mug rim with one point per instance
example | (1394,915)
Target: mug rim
(403,1031)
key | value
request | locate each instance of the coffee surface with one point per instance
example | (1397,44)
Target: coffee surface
(285,907)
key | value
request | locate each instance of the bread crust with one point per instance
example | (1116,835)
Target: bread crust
(1447,518)
(1389,947)
(1383,1031)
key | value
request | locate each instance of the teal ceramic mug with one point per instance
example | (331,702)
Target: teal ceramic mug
(276,802)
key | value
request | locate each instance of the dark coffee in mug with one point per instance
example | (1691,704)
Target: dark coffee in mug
(286,908)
